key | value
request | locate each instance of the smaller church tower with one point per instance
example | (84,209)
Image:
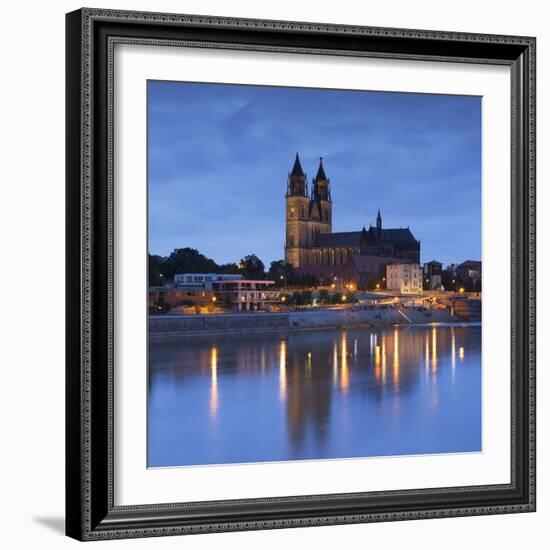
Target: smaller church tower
(378,225)
(297,216)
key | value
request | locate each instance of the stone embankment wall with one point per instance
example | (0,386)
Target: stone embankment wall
(167,325)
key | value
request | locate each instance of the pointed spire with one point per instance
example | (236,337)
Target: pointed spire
(297,168)
(321,172)
(379,222)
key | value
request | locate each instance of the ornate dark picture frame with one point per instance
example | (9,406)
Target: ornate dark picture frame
(90,510)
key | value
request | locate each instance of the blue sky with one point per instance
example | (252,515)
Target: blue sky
(219,157)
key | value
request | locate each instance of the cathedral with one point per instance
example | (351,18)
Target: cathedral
(311,245)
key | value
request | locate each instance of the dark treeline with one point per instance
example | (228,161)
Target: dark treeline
(453,281)
(307,298)
(189,260)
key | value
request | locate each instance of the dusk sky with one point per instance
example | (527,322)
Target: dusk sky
(219,157)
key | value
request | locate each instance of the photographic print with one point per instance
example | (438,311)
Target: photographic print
(315,274)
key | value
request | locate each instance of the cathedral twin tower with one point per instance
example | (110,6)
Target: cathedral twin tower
(312,246)
(307,215)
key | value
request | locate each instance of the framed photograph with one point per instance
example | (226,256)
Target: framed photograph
(300,274)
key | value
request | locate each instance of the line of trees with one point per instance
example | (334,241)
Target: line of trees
(453,281)
(190,260)
(306,298)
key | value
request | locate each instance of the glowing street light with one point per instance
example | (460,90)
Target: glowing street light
(283,277)
(344,297)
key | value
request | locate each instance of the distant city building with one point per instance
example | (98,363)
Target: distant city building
(310,241)
(220,290)
(359,272)
(246,295)
(203,280)
(404,277)
(470,269)
(431,273)
(366,271)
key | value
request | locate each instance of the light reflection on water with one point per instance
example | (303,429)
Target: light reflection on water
(314,394)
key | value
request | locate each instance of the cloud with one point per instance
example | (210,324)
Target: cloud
(219,156)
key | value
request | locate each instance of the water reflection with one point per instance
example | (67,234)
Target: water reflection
(434,349)
(344,376)
(396,358)
(282,371)
(214,382)
(314,394)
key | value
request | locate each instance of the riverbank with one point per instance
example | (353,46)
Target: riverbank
(182,325)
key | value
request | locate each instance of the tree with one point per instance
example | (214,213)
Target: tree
(285,299)
(307,297)
(281,272)
(324,297)
(187,260)
(252,267)
(160,305)
(155,263)
(447,278)
(228,268)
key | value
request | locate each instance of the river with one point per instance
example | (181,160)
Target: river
(314,394)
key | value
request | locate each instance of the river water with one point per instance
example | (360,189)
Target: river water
(324,393)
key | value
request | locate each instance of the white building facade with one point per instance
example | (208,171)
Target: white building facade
(406,278)
(227,289)
(203,280)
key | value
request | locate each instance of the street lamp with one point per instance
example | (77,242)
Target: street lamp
(283,277)
(161,281)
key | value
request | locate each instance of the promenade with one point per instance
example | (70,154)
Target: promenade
(179,325)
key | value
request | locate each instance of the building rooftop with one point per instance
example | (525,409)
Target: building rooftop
(371,264)
(354,238)
(469,264)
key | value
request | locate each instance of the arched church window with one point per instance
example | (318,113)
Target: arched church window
(303,212)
